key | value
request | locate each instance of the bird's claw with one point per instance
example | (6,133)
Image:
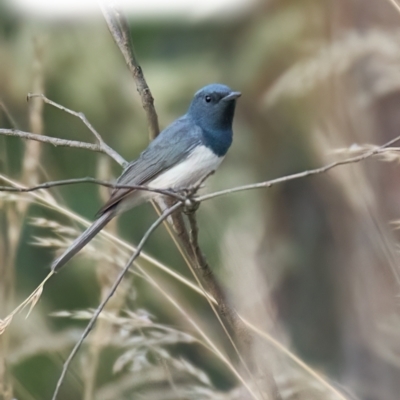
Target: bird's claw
(190,206)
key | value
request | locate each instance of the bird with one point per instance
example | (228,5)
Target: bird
(183,154)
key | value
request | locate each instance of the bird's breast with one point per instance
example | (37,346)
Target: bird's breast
(200,162)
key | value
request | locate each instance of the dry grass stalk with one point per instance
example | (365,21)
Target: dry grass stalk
(15,216)
(30,301)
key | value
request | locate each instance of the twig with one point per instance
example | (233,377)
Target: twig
(304,174)
(119,29)
(217,292)
(195,259)
(88,179)
(116,283)
(52,140)
(201,265)
(104,147)
(212,285)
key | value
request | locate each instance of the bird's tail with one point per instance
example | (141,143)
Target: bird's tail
(80,242)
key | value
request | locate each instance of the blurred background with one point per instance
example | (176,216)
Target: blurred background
(313,263)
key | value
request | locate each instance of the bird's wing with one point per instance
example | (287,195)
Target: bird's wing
(169,148)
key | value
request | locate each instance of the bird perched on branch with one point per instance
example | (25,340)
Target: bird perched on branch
(183,154)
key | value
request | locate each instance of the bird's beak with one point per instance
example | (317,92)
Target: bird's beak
(232,96)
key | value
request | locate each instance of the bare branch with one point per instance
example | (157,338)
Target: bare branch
(204,270)
(105,148)
(115,285)
(304,174)
(100,182)
(52,140)
(118,26)
(196,261)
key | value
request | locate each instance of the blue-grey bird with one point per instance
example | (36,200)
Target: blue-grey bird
(189,149)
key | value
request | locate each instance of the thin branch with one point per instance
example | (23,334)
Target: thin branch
(100,182)
(304,174)
(77,114)
(217,292)
(119,29)
(195,260)
(207,274)
(52,140)
(115,285)
(105,148)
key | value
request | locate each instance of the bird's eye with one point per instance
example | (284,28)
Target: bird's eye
(208,99)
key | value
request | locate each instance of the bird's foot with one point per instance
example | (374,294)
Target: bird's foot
(190,206)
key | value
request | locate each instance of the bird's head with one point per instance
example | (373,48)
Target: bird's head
(213,107)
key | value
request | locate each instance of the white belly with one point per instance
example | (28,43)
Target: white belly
(200,163)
